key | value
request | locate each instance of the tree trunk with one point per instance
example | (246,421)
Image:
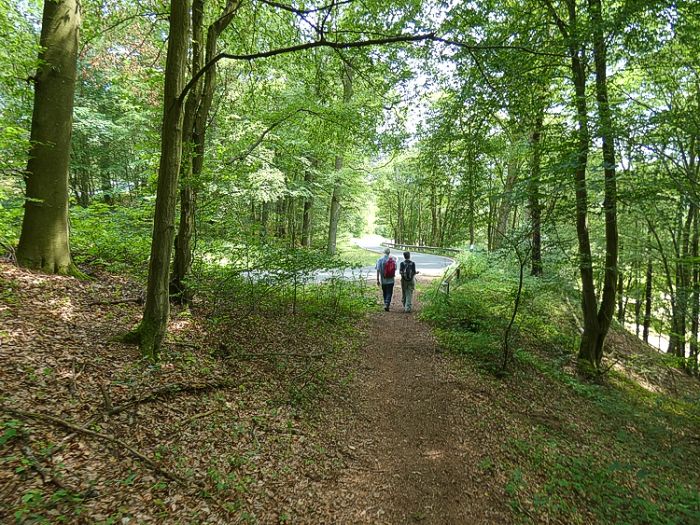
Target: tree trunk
(183,253)
(264,217)
(506,202)
(197,111)
(648,300)
(308,206)
(433,216)
(620,300)
(589,302)
(680,305)
(695,299)
(607,303)
(346,78)
(534,196)
(291,221)
(596,320)
(151,332)
(44,243)
(472,204)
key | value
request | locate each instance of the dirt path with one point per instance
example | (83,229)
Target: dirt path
(420,435)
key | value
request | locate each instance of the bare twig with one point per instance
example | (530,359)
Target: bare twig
(198,416)
(273,355)
(167,390)
(48,475)
(137,300)
(183,343)
(105,397)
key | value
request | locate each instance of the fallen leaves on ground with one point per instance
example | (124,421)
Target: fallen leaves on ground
(225,411)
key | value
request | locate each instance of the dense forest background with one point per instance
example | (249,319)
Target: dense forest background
(190,176)
(567,129)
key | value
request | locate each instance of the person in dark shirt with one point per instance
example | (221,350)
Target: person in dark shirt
(408,281)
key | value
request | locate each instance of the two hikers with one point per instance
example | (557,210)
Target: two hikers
(386,272)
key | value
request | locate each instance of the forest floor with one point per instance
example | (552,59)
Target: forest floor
(254,415)
(421,433)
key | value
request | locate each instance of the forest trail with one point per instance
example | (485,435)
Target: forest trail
(418,439)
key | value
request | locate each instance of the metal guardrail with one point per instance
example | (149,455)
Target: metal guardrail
(446,282)
(419,248)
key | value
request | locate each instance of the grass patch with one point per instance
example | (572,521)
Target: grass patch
(354,255)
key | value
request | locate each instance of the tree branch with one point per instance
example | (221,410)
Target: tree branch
(297,11)
(269,129)
(302,47)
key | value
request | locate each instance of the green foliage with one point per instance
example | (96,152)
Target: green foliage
(612,452)
(11,213)
(114,237)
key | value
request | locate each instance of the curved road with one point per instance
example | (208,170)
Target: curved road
(426,264)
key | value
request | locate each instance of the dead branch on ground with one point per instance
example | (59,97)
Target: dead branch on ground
(103,437)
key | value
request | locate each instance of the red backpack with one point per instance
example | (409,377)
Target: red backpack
(390,268)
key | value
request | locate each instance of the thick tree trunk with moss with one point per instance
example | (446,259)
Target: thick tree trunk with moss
(151,332)
(44,243)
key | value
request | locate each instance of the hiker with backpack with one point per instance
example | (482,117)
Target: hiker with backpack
(408,281)
(386,270)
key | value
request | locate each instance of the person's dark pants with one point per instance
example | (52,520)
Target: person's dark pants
(388,291)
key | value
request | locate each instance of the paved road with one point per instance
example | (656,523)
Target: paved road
(427,264)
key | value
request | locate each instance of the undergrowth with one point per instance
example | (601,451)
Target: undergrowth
(600,449)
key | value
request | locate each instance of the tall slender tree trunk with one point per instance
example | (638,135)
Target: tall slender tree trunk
(620,299)
(472,203)
(434,226)
(151,332)
(607,302)
(589,301)
(308,206)
(197,111)
(44,242)
(596,319)
(648,300)
(183,253)
(334,217)
(264,217)
(683,278)
(534,195)
(346,78)
(695,298)
(506,202)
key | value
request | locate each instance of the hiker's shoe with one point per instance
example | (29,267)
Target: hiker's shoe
(386,308)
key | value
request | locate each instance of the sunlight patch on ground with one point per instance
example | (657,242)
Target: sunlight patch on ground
(434,454)
(638,378)
(64,308)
